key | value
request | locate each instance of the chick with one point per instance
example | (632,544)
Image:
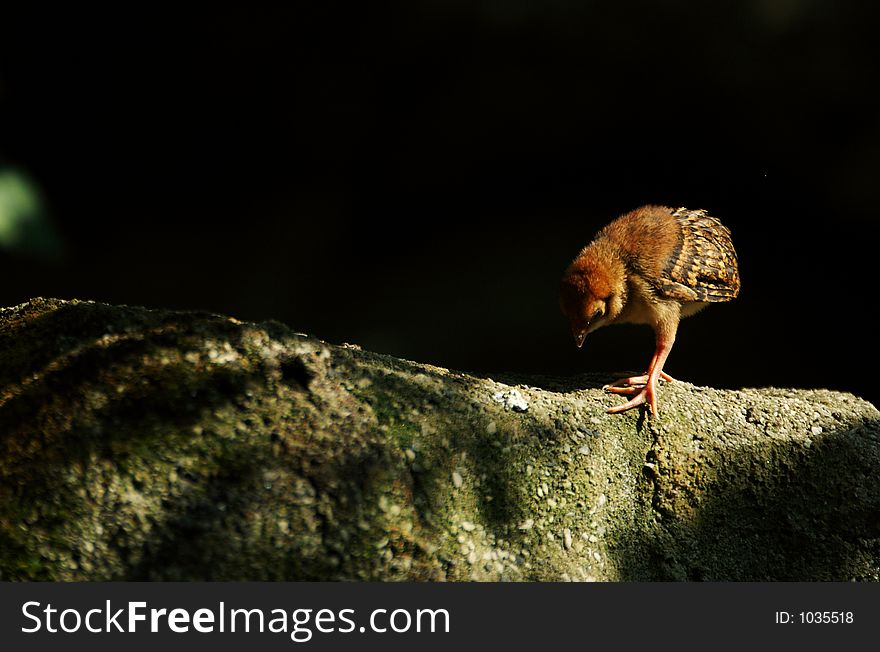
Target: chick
(652,266)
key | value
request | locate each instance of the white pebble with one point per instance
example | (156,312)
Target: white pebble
(512,400)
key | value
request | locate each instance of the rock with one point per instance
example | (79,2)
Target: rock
(511,400)
(154,445)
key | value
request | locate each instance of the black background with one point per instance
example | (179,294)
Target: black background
(415,178)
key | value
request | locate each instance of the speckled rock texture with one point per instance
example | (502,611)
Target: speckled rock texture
(153,445)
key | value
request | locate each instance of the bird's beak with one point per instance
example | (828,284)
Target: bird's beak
(579,338)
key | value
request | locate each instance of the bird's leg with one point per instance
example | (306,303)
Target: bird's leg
(648,393)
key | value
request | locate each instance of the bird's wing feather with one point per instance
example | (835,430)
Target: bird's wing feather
(703,267)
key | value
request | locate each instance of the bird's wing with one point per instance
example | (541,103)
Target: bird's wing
(703,266)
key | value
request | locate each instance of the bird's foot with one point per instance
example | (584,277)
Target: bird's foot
(625,390)
(646,395)
(633,383)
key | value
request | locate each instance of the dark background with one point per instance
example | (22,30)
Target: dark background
(415,178)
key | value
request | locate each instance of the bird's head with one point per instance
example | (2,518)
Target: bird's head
(592,292)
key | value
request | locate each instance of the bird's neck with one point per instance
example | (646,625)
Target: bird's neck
(614,257)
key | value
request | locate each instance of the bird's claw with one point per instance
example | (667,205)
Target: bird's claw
(627,391)
(639,381)
(645,396)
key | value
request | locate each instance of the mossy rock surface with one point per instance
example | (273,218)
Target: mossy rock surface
(143,444)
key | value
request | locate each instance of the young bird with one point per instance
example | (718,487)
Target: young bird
(652,266)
